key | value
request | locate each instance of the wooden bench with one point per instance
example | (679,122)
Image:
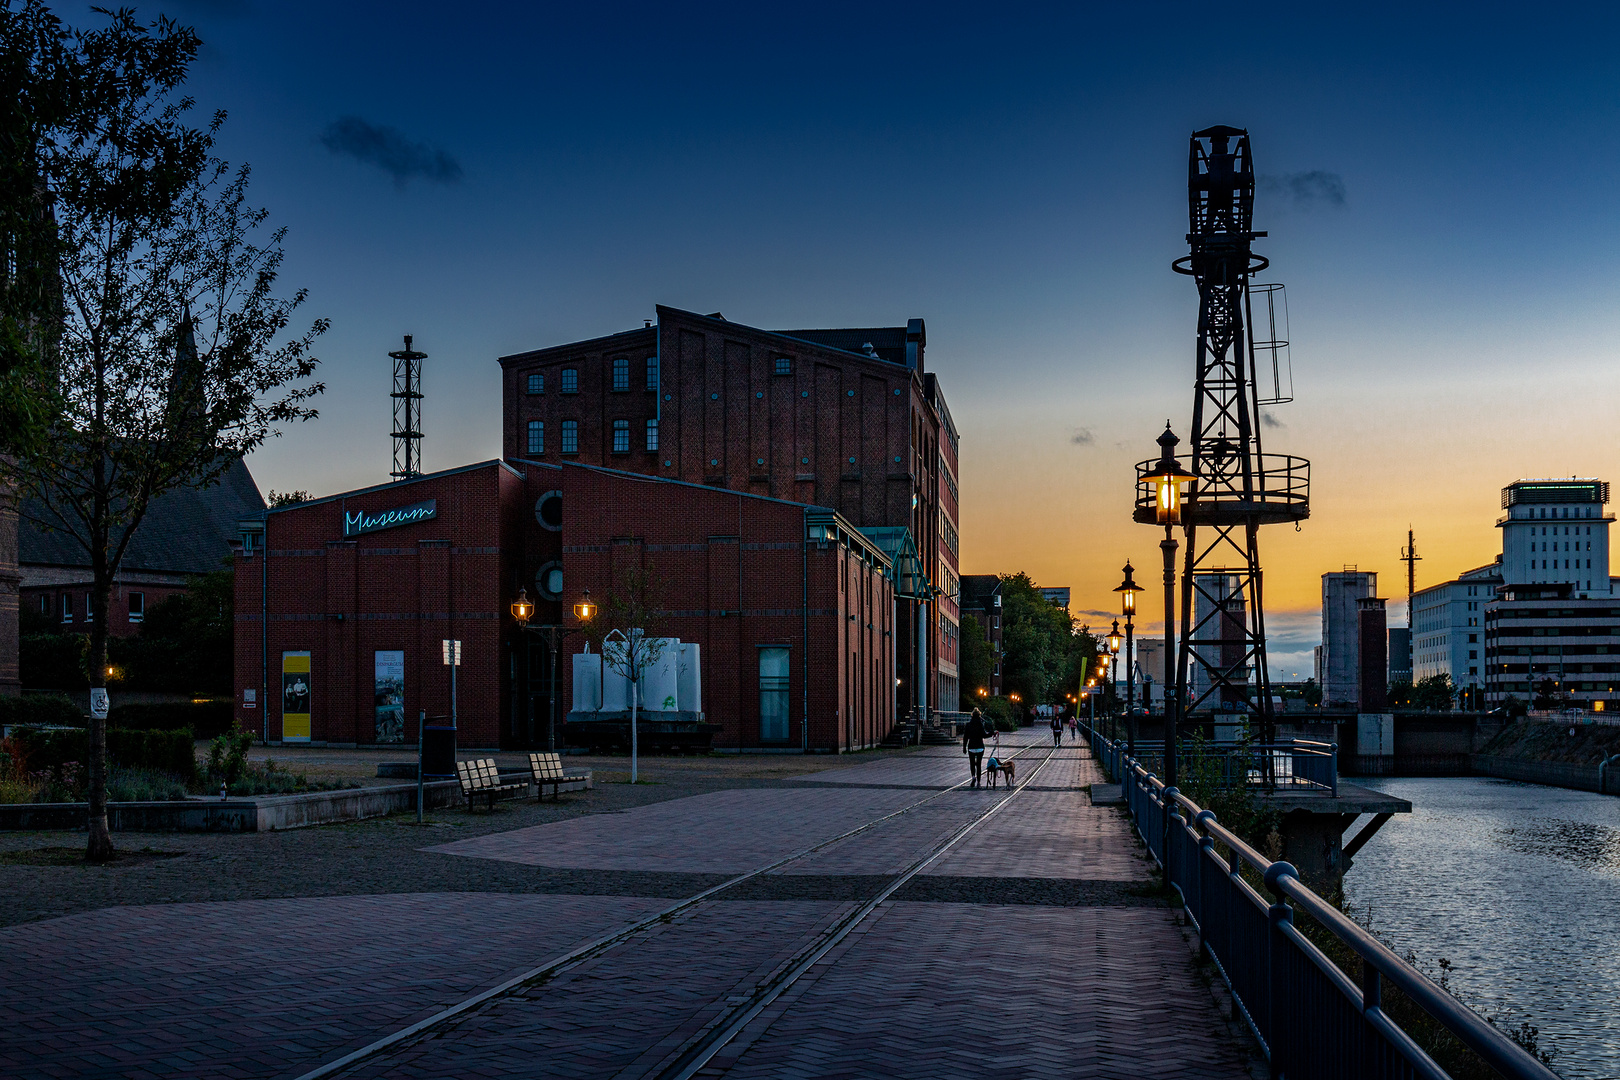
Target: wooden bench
(480,776)
(547,769)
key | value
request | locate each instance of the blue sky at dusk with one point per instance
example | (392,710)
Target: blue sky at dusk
(1440,196)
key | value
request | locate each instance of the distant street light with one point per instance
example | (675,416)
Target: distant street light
(523,611)
(1127,590)
(1168,477)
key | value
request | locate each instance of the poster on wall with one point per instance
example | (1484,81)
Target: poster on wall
(390,696)
(295,697)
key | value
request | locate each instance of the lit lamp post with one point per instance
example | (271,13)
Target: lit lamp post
(1114,642)
(523,611)
(1168,476)
(1127,599)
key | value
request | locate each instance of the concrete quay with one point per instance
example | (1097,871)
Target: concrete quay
(1033,945)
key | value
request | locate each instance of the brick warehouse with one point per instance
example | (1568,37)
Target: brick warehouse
(843,418)
(738,563)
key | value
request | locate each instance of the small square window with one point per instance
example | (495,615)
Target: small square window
(621,373)
(570,436)
(137,606)
(621,436)
(537,383)
(537,437)
(570,380)
(784,365)
(652,373)
(652,435)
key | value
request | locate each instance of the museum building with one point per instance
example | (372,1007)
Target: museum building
(791,606)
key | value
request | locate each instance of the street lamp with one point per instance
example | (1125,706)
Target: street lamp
(523,611)
(1127,599)
(1168,477)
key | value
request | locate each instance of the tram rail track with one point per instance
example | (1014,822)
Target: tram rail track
(701,1049)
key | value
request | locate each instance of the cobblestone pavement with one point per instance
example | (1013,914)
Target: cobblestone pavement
(1035,946)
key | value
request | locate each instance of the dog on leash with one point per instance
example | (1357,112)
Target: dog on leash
(1005,768)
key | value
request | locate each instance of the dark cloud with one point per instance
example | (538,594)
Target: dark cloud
(391,151)
(1083,437)
(1314,188)
(1270,420)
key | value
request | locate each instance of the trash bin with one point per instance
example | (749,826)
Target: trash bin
(438,749)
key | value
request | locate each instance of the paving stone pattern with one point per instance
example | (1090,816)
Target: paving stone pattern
(1032,948)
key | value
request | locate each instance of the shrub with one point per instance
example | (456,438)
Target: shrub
(144,785)
(44,710)
(206,719)
(227,756)
(163,751)
(999,711)
(53,661)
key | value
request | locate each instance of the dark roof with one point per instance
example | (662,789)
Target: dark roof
(977,590)
(889,342)
(188,530)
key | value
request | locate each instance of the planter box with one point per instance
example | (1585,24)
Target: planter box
(259,813)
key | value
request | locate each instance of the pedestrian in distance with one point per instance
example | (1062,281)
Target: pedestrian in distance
(1057,728)
(973,734)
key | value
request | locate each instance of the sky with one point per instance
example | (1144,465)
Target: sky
(1438,186)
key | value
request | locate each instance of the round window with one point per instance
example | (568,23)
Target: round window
(548,582)
(548,511)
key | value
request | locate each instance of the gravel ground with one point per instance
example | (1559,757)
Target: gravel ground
(379,855)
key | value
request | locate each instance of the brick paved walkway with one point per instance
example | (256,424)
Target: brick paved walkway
(1030,949)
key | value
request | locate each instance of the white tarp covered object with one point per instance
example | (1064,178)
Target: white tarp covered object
(672,683)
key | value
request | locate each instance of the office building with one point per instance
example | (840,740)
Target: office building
(1547,645)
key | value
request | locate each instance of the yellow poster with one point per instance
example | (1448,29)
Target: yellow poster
(295,697)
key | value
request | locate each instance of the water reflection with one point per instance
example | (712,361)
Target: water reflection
(1517,886)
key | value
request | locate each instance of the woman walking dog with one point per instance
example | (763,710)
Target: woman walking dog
(973,743)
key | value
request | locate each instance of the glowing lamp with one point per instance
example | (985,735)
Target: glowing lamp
(1114,640)
(1127,592)
(584,611)
(522,607)
(1168,476)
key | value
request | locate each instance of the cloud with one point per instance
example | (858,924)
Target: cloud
(391,151)
(1313,188)
(1083,437)
(1270,420)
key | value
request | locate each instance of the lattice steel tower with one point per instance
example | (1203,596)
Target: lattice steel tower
(407,397)
(1238,488)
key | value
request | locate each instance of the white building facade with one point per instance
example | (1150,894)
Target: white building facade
(1556,532)
(1339,666)
(1448,627)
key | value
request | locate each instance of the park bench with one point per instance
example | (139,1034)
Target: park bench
(547,769)
(480,776)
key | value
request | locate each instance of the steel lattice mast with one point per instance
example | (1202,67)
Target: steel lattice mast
(407,397)
(1238,487)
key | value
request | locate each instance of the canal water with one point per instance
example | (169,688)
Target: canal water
(1518,886)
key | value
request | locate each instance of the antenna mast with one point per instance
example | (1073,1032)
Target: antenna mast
(407,397)
(1411,558)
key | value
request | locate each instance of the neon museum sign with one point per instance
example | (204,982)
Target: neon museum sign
(360,521)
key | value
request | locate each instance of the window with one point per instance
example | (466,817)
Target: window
(773,694)
(537,383)
(621,373)
(570,437)
(621,436)
(67,608)
(784,365)
(548,581)
(537,437)
(89,614)
(652,434)
(652,373)
(44,604)
(137,606)
(570,380)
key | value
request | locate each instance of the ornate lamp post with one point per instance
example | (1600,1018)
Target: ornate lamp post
(1127,599)
(1114,643)
(1168,476)
(552,635)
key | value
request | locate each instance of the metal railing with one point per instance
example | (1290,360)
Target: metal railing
(1312,1020)
(1293,764)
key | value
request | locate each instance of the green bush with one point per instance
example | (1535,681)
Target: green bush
(206,719)
(44,710)
(999,711)
(144,785)
(53,661)
(163,751)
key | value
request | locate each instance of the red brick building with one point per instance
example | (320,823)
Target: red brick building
(841,418)
(345,644)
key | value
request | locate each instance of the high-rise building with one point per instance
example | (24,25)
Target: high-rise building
(1555,531)
(1341,635)
(1400,655)
(1548,646)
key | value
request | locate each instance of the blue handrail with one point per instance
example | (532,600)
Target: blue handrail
(1310,1017)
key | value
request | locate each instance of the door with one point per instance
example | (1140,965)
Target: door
(773,695)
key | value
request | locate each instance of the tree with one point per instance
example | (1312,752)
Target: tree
(171,362)
(978,662)
(1435,692)
(627,631)
(1041,650)
(278,499)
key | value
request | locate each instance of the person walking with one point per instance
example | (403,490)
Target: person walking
(973,733)
(1057,728)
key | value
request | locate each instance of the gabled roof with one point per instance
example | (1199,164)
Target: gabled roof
(188,530)
(889,342)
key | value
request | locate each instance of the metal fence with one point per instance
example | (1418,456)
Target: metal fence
(1311,1019)
(1290,763)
